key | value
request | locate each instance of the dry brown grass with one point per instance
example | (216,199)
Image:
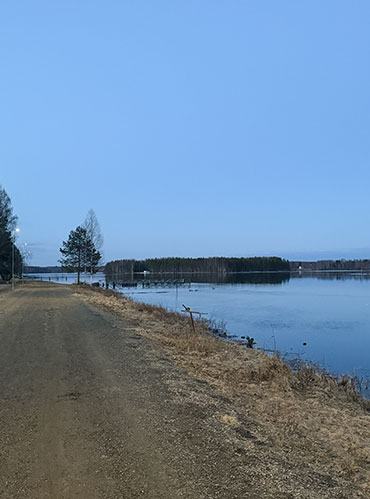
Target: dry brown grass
(308,416)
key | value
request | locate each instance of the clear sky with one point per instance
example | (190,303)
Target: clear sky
(192,127)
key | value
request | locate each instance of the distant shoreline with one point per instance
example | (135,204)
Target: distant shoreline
(217,265)
(304,270)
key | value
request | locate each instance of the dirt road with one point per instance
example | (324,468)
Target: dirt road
(89,409)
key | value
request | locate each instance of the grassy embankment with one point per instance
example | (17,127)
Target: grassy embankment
(306,417)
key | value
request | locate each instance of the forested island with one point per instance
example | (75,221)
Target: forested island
(217,265)
(197,265)
(222,266)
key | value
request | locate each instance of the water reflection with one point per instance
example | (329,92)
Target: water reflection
(338,276)
(270,278)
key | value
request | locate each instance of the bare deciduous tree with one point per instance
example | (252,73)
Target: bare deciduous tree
(93,229)
(94,234)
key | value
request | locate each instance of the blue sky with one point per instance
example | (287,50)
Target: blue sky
(192,128)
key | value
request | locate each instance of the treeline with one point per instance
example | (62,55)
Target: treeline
(33,269)
(332,265)
(54,269)
(10,256)
(197,265)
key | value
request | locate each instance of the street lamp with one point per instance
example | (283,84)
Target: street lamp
(25,254)
(13,253)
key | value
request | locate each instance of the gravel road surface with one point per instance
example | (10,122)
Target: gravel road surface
(89,409)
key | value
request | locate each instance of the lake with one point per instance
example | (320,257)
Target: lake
(330,312)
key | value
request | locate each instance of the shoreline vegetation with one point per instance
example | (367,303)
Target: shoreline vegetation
(216,265)
(197,265)
(225,265)
(306,419)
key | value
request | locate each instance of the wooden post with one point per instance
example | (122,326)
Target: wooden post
(191,312)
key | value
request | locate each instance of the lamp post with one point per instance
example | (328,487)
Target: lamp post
(25,254)
(13,253)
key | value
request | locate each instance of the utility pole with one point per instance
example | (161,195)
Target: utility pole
(13,233)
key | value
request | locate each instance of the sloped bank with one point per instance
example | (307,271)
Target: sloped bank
(307,420)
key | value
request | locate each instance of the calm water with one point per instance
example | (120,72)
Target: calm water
(329,312)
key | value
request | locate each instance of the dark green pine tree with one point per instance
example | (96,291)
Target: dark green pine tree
(79,253)
(7,224)
(93,256)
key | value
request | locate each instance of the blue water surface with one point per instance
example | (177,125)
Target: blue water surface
(332,316)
